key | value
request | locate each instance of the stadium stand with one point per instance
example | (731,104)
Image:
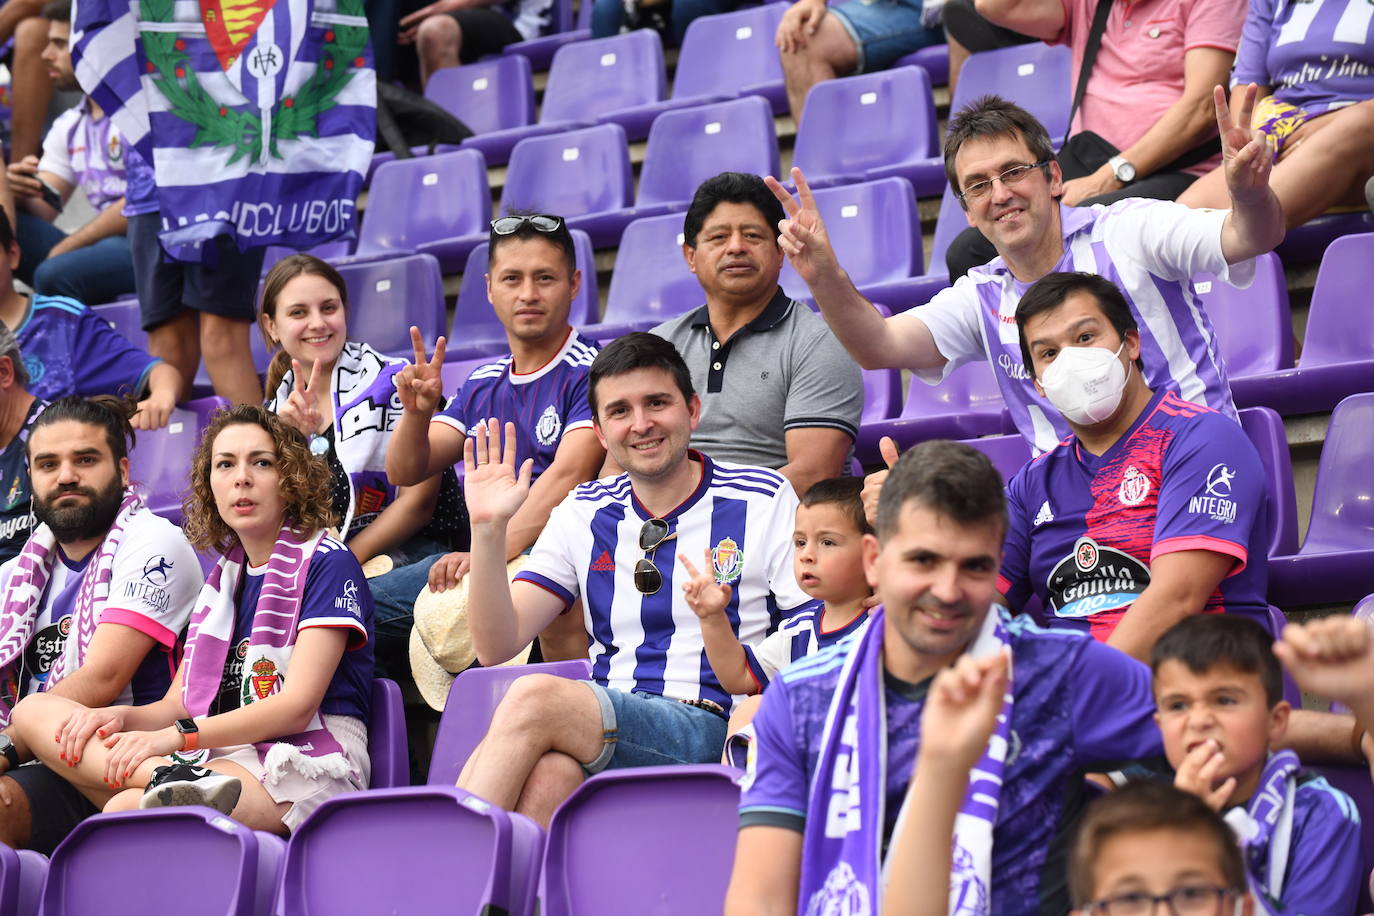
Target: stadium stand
(653,282)
(21,880)
(576,173)
(436,204)
(489,95)
(967,404)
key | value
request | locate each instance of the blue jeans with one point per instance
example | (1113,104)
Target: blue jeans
(100,272)
(646,730)
(884,30)
(393,599)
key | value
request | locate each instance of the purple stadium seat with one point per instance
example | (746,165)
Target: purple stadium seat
(966,405)
(437,204)
(160,458)
(492,94)
(572,174)
(471,701)
(882,394)
(540,50)
(933,59)
(875,230)
(1254,326)
(1336,561)
(1008,453)
(117,864)
(900,295)
(454,374)
(732,54)
(1305,244)
(340,248)
(685,148)
(1034,76)
(386,297)
(416,152)
(1265,429)
(652,878)
(1338,348)
(21,880)
(651,282)
(476,332)
(1291,691)
(386,736)
(1354,781)
(423,849)
(895,114)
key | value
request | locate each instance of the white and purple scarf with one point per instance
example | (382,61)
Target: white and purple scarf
(23,594)
(270,642)
(1265,826)
(366,408)
(841,869)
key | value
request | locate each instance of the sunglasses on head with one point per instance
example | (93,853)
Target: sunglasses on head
(543,222)
(648,580)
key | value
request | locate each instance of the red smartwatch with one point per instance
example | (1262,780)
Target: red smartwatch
(190,734)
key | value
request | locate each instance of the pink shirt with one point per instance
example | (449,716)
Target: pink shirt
(1138,73)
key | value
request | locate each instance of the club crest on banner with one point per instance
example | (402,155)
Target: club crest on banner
(727,560)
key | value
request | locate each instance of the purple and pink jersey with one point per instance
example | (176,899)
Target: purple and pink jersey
(1084,528)
(1317,54)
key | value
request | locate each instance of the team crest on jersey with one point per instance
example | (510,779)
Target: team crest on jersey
(842,895)
(727,560)
(548,427)
(1135,486)
(261,680)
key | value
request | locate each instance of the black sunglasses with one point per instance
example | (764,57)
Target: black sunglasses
(648,580)
(543,222)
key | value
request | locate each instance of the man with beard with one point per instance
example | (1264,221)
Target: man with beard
(91,608)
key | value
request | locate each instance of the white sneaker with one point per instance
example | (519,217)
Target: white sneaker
(182,784)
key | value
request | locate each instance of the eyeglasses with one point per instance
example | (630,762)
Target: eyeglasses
(1011,176)
(648,580)
(1191,900)
(543,222)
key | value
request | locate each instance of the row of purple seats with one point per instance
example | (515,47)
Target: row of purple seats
(965,405)
(22,873)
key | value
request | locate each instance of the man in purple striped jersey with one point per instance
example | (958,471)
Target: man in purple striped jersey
(1000,162)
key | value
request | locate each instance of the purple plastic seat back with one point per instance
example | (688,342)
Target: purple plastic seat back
(972,388)
(455,373)
(1265,429)
(590,830)
(1343,502)
(386,297)
(475,323)
(1008,453)
(651,278)
(21,880)
(571,174)
(1254,326)
(161,458)
(892,110)
(423,849)
(948,224)
(875,231)
(882,394)
(1338,328)
(491,94)
(729,53)
(690,145)
(592,78)
(426,199)
(117,864)
(1291,691)
(1034,76)
(471,701)
(123,316)
(386,736)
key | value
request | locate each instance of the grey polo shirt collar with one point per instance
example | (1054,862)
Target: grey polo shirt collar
(774,312)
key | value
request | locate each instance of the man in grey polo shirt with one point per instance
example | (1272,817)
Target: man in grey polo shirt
(777,389)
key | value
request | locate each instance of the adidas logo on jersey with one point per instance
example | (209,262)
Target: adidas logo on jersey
(603,563)
(1044,515)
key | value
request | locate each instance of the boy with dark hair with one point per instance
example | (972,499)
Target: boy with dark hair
(1219,692)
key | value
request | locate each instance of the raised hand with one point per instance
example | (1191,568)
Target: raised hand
(302,409)
(1332,657)
(493,489)
(873,483)
(421,384)
(803,239)
(1246,157)
(705,596)
(1197,773)
(962,707)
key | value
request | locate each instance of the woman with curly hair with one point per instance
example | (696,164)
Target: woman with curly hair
(234,731)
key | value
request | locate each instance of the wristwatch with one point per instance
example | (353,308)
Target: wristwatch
(1123,170)
(9,750)
(190,734)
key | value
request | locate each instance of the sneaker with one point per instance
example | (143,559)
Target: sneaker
(183,784)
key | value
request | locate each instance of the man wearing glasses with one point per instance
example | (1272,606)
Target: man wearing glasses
(614,543)
(1000,157)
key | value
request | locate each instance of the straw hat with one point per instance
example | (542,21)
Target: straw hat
(440,641)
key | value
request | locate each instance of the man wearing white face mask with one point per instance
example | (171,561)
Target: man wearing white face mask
(1153,510)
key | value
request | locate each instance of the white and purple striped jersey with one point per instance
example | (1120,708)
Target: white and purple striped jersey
(1317,54)
(652,643)
(1151,250)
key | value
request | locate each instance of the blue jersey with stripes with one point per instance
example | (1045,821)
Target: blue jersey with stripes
(545,405)
(69,349)
(652,643)
(799,636)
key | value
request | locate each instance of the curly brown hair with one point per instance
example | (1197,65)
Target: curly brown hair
(305,480)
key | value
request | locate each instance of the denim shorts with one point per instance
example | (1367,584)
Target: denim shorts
(884,30)
(646,730)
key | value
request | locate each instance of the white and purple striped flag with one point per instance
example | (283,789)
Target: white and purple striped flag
(259,116)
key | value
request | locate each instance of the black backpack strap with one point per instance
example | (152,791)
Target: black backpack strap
(1099,26)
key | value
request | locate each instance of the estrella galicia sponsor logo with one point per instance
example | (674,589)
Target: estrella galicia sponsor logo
(348,601)
(1216,504)
(47,644)
(1094,579)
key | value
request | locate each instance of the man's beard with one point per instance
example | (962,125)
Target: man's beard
(82,521)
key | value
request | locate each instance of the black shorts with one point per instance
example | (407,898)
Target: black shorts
(166,287)
(485,31)
(55,805)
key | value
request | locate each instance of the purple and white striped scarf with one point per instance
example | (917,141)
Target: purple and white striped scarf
(24,591)
(270,642)
(1264,826)
(841,868)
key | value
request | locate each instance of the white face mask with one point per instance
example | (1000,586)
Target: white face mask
(1085,384)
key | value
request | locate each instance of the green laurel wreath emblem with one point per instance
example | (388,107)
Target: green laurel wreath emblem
(220,126)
